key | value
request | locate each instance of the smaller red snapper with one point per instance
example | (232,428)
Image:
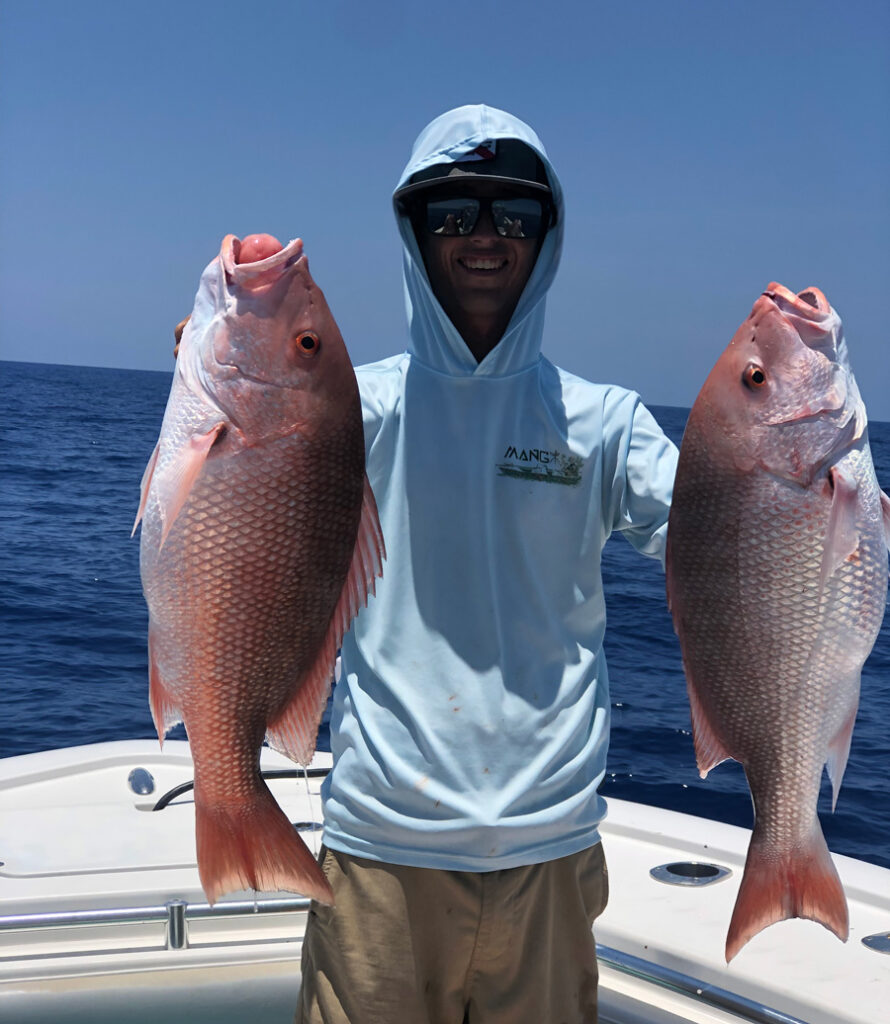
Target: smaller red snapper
(260,541)
(777,580)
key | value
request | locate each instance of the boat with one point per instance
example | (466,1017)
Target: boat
(102,917)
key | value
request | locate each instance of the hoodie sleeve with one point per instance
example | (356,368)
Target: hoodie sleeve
(640,464)
(378,385)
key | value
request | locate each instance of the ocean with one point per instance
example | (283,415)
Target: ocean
(73,668)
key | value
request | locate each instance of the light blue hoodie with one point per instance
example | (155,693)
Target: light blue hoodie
(471,723)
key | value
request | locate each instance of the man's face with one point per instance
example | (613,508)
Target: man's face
(478,278)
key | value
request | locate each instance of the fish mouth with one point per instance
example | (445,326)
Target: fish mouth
(261,275)
(810,303)
(809,314)
(818,327)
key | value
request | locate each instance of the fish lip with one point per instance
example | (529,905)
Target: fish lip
(782,297)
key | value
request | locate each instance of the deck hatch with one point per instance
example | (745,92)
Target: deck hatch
(879,942)
(689,872)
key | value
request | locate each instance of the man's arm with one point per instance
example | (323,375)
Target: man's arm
(642,477)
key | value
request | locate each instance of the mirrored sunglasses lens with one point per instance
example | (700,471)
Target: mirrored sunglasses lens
(452,216)
(517,218)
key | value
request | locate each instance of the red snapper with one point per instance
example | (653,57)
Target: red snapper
(777,580)
(260,541)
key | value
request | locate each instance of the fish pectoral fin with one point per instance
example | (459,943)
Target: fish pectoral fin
(709,749)
(145,485)
(295,731)
(839,751)
(842,533)
(176,480)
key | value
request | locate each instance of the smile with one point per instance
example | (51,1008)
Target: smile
(479,263)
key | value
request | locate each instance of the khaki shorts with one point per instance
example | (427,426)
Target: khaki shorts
(418,946)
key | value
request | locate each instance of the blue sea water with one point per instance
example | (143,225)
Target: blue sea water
(73,622)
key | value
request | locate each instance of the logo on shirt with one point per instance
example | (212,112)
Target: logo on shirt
(550,467)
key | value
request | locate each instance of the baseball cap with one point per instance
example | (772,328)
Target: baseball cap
(508,161)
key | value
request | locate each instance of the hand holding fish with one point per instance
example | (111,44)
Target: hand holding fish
(177,335)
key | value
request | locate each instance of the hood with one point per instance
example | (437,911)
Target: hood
(434,340)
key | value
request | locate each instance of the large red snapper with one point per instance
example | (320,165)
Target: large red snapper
(260,541)
(777,578)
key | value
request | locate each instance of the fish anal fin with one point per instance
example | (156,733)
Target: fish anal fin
(180,474)
(164,712)
(252,845)
(842,532)
(709,749)
(777,886)
(838,752)
(145,485)
(294,732)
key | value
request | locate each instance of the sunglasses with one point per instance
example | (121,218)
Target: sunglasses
(513,217)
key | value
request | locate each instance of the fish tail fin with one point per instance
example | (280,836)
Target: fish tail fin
(776,887)
(252,845)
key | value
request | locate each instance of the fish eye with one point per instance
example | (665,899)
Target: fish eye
(308,343)
(753,377)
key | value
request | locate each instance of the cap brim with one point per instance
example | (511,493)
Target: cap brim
(406,191)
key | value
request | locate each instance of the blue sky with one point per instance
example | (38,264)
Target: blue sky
(706,147)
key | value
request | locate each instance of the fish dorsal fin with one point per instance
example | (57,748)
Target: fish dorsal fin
(709,749)
(294,732)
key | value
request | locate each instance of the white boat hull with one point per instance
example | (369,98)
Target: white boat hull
(92,928)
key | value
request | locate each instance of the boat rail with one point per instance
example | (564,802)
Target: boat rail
(676,981)
(266,773)
(176,915)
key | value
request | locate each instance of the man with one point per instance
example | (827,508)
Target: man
(470,725)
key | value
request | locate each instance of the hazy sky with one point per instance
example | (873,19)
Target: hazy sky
(706,147)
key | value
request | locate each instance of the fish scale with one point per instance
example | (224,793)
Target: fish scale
(777,576)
